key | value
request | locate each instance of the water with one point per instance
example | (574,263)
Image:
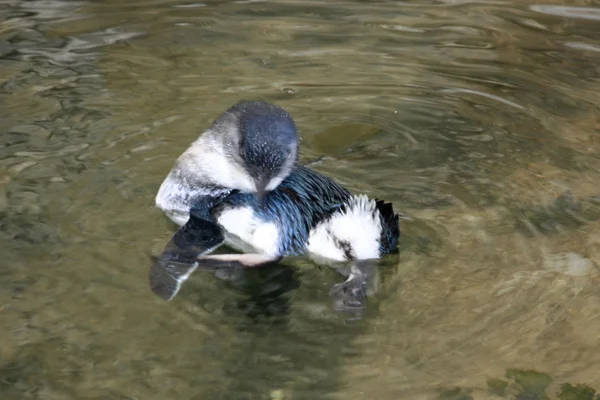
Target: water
(479,120)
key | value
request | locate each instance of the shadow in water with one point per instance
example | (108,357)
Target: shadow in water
(288,339)
(263,292)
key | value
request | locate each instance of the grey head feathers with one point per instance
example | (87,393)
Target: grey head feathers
(267,141)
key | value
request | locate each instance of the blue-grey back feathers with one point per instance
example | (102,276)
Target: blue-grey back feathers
(296,206)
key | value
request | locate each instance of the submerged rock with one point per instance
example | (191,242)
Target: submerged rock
(572,264)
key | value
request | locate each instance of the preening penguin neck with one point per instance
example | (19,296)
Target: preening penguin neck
(252,147)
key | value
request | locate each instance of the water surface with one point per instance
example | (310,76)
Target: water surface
(478,120)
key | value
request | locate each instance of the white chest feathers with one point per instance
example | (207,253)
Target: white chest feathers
(350,234)
(245,232)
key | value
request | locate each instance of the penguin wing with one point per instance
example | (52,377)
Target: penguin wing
(179,258)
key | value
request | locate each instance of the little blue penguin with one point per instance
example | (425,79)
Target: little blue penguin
(240,184)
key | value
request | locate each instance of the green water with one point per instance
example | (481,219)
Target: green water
(478,120)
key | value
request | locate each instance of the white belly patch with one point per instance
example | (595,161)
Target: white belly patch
(245,232)
(356,232)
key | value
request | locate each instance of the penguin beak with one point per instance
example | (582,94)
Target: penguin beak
(262,193)
(262,197)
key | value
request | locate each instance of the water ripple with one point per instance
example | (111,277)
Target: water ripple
(477,119)
(569,12)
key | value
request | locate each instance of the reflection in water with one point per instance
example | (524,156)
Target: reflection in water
(478,120)
(264,291)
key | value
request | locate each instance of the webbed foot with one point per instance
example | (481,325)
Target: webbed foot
(350,297)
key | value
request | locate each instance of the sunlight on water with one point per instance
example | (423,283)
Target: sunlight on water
(478,120)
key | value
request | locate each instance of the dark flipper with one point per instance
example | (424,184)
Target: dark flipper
(179,257)
(196,238)
(167,275)
(188,250)
(350,296)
